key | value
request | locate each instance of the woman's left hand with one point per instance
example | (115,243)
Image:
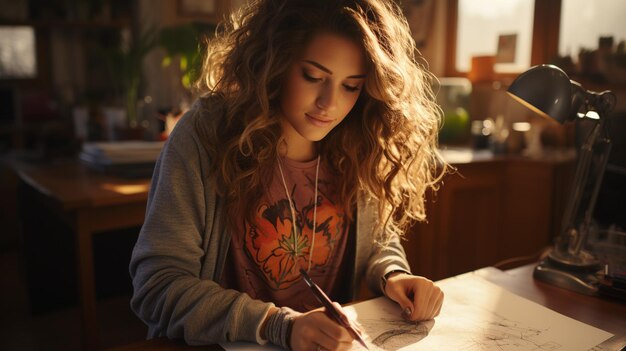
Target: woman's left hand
(419,298)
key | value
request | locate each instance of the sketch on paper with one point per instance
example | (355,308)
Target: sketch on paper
(395,334)
(493,333)
(498,334)
(504,334)
(476,316)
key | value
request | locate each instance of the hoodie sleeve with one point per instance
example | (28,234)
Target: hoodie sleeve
(171,250)
(378,259)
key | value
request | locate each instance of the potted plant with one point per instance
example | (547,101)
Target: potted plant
(184,42)
(125,66)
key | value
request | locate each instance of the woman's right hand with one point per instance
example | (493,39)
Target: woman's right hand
(315,331)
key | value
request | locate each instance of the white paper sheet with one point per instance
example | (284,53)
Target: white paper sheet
(476,316)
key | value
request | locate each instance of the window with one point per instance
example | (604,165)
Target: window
(555,28)
(583,22)
(482,24)
(18,54)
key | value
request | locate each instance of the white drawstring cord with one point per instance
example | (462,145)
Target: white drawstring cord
(293,212)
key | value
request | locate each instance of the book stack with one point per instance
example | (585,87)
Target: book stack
(124,158)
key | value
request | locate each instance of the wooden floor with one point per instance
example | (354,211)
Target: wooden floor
(57,328)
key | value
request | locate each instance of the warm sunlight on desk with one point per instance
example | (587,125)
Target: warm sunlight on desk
(126,189)
(476,315)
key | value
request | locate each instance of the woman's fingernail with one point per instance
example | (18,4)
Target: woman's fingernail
(406,313)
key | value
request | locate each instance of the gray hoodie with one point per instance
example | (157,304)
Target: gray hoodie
(182,247)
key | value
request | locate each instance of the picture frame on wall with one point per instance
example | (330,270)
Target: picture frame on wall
(507,47)
(198,8)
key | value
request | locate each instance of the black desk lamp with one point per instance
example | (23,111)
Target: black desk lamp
(547,90)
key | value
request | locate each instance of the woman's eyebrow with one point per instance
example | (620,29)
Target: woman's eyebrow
(321,67)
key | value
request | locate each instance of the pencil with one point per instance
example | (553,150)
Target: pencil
(331,310)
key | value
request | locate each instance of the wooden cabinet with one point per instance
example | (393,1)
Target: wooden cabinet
(488,211)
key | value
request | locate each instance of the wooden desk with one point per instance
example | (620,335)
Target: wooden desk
(601,313)
(89,202)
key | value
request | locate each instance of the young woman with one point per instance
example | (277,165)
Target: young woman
(311,147)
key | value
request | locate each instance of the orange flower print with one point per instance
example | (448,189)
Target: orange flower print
(279,252)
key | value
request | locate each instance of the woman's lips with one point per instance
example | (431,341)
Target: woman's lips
(318,121)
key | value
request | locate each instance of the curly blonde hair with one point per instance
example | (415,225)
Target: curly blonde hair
(385,147)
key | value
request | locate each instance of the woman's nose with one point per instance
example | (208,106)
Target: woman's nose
(327,100)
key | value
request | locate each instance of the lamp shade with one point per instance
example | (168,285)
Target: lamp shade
(547,90)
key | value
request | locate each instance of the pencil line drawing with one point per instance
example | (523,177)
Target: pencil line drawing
(498,333)
(489,330)
(394,334)
(505,334)
(475,316)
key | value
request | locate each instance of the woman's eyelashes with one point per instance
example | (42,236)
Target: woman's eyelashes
(352,88)
(310,78)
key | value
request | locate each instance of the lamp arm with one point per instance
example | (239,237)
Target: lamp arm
(605,144)
(572,239)
(568,227)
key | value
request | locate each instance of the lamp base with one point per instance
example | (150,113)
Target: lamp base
(581,261)
(582,282)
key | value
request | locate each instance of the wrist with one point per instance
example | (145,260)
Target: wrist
(385,278)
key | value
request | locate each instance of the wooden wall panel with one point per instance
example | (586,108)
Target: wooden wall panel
(488,212)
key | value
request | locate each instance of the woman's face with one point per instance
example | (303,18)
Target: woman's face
(321,87)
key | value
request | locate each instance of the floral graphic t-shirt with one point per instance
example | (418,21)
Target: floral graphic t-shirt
(265,257)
